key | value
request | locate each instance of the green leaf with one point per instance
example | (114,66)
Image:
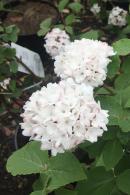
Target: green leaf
(65,192)
(116,191)
(46,23)
(126,30)
(60,26)
(69,30)
(6,53)
(111,134)
(125,124)
(123,96)
(38,193)
(29,159)
(11,33)
(42,32)
(123,164)
(64,169)
(10,52)
(41,182)
(115,109)
(94,150)
(70,19)
(62,4)
(12,85)
(99,161)
(45,27)
(127,105)
(113,66)
(92,34)
(122,81)
(112,153)
(13,66)
(123,137)
(123,181)
(61,170)
(99,182)
(122,47)
(1,5)
(126,65)
(76,7)
(1,29)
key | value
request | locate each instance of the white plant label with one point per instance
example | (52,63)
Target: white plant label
(31,59)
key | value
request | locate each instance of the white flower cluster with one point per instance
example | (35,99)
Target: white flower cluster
(95,9)
(85,61)
(4,84)
(117,17)
(63,115)
(55,41)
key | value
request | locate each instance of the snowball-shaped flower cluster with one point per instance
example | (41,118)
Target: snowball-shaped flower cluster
(55,41)
(4,84)
(95,9)
(117,17)
(63,115)
(85,61)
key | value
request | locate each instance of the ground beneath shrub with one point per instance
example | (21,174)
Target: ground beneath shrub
(9,185)
(29,15)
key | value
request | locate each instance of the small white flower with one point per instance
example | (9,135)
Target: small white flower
(63,115)
(4,84)
(85,61)
(117,17)
(55,41)
(95,9)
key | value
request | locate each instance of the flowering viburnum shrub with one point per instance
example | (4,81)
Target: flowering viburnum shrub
(78,123)
(117,17)
(63,115)
(85,61)
(56,40)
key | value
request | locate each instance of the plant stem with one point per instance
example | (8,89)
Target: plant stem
(32,86)
(112,92)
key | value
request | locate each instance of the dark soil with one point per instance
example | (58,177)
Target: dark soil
(29,15)
(9,185)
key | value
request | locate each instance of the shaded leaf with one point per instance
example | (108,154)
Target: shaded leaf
(65,192)
(69,29)
(122,47)
(75,7)
(92,34)
(123,181)
(70,19)
(112,153)
(38,193)
(64,169)
(99,181)
(62,4)
(113,66)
